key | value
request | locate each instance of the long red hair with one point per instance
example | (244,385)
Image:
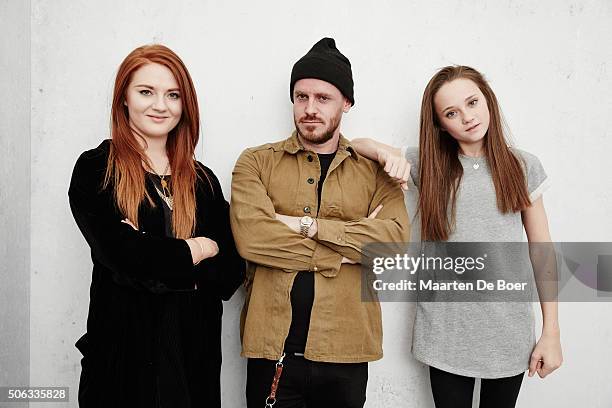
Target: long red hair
(125,168)
(440,168)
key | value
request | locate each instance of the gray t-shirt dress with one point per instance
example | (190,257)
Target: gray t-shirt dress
(485,339)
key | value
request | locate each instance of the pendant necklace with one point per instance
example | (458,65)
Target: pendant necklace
(165,191)
(474,160)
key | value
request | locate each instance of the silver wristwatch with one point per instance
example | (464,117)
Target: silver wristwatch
(305,224)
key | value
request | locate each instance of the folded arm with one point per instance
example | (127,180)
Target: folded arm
(391,225)
(260,237)
(144,260)
(226,270)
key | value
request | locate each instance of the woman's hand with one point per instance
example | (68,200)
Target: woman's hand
(546,356)
(202,248)
(395,165)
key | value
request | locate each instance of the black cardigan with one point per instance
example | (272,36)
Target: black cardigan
(152,340)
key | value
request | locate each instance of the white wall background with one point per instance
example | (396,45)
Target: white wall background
(549,63)
(15,167)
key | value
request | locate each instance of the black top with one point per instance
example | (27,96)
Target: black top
(302,292)
(167,210)
(152,340)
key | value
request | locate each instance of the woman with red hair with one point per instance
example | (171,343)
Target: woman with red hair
(161,245)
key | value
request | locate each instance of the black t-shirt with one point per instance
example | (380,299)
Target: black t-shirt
(302,292)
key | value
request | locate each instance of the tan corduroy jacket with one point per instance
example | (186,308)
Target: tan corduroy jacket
(282,177)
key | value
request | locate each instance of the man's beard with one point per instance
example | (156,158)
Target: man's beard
(326,134)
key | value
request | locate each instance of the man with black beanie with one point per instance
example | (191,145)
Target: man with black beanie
(301,211)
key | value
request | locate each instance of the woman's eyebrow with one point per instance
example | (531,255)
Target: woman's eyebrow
(152,87)
(452,106)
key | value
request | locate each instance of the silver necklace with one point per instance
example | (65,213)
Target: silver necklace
(475,161)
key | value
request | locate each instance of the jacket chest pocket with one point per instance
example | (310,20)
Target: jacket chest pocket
(348,200)
(295,196)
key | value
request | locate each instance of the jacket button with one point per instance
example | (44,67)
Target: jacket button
(309,158)
(310,180)
(307,210)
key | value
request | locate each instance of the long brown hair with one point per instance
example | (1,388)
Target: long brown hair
(440,168)
(126,154)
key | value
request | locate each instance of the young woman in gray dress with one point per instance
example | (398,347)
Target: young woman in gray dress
(474,187)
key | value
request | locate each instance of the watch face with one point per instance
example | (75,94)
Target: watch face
(306,221)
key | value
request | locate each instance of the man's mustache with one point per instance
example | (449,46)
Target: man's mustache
(310,119)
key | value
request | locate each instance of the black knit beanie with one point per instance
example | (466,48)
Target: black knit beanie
(326,63)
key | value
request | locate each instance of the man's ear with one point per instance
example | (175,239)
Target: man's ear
(347,105)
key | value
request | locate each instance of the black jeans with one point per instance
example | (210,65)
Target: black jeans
(452,390)
(306,384)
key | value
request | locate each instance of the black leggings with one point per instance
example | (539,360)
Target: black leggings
(455,391)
